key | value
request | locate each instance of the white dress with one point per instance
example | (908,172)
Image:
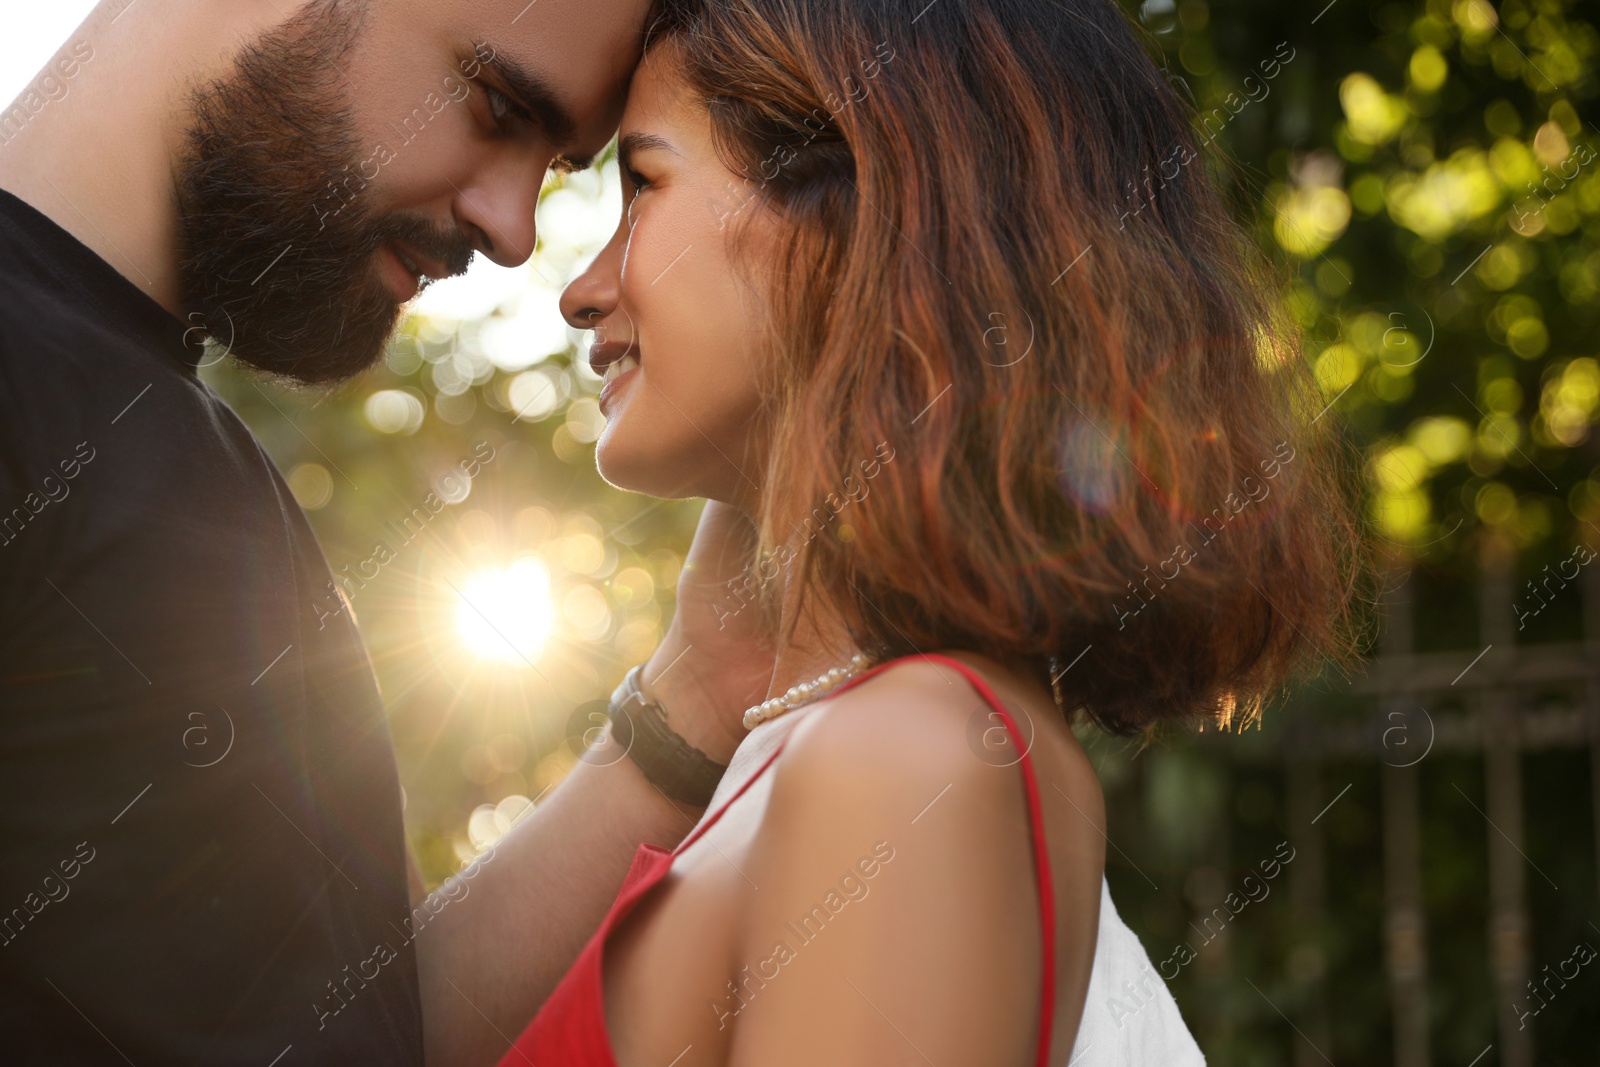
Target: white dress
(1129,1016)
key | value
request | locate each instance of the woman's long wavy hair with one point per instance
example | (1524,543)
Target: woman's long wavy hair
(1010,261)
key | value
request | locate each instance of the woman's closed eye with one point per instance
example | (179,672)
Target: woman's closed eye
(639,182)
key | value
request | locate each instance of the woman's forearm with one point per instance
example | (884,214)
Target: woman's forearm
(513,922)
(508,930)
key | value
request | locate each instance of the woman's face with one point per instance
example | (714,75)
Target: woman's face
(672,310)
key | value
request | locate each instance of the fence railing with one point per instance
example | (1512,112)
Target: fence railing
(1497,702)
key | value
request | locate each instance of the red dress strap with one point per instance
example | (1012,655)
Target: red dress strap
(737,793)
(1041,857)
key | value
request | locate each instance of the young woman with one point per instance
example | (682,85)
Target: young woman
(942,297)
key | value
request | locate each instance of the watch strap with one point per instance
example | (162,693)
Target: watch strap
(639,725)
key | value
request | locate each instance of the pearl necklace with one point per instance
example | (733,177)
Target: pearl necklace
(805,692)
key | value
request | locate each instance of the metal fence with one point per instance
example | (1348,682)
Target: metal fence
(1495,706)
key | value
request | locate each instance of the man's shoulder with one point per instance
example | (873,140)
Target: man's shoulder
(52,339)
(68,353)
(77,375)
(39,286)
(47,377)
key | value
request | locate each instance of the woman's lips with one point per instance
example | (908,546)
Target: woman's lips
(604,353)
(619,373)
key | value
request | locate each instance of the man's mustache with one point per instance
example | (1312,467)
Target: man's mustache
(451,249)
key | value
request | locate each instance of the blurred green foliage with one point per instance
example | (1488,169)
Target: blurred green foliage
(1429,176)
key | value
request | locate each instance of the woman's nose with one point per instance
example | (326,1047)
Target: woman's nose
(592,295)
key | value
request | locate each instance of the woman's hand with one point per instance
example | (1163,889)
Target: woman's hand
(717,655)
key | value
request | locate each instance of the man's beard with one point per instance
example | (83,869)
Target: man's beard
(276,264)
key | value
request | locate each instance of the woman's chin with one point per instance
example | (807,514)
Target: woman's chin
(675,469)
(629,470)
(617,472)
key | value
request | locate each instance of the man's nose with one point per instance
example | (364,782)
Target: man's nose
(499,209)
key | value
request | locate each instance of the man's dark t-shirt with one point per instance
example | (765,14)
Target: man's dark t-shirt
(202,859)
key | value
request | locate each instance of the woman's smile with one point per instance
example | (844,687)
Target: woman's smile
(615,362)
(617,375)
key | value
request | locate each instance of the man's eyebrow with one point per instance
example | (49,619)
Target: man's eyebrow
(534,93)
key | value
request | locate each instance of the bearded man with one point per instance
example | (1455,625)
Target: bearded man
(204,854)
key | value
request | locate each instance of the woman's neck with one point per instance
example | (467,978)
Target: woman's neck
(819,641)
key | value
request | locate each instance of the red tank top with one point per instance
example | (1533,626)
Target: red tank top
(571,1027)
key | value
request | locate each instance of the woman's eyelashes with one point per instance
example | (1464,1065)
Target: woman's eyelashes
(639,182)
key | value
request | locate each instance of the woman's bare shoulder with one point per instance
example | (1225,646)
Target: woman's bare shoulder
(922,723)
(916,754)
(891,827)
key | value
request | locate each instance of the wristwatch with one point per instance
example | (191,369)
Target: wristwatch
(681,771)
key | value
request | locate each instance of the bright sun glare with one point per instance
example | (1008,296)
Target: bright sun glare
(507,614)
